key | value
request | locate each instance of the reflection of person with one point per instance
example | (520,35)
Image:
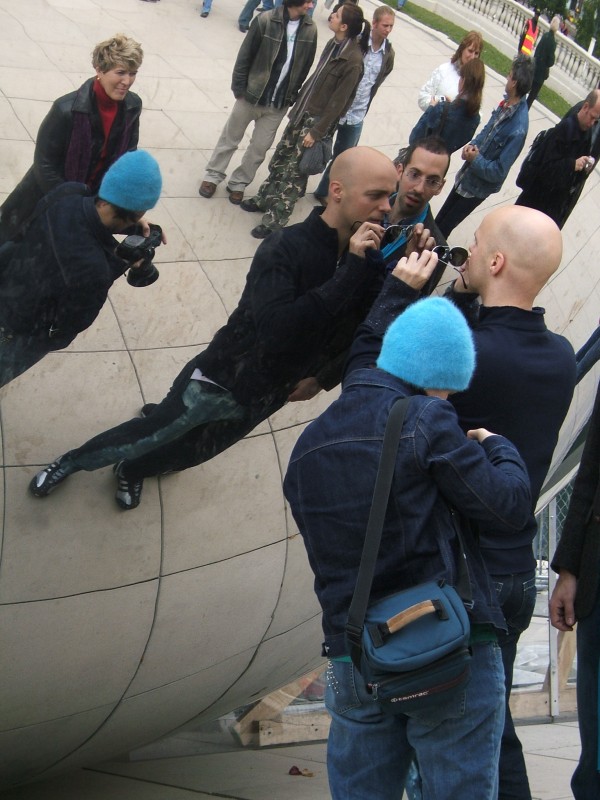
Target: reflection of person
(588,354)
(324,98)
(307,289)
(378,63)
(426,352)
(455,121)
(492,152)
(421,176)
(544,59)
(514,253)
(270,68)
(556,183)
(55,278)
(443,82)
(530,33)
(576,599)
(83,133)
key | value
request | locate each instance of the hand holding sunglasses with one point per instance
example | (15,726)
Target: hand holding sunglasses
(455,257)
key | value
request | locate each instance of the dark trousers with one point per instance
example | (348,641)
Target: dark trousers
(585,782)
(455,210)
(196,421)
(516,595)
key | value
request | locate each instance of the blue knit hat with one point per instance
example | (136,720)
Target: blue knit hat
(429,346)
(133,182)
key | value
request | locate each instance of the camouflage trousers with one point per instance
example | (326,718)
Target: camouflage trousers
(279,193)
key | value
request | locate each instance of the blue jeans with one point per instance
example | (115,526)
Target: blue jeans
(457,744)
(585,782)
(347,136)
(516,596)
(245,18)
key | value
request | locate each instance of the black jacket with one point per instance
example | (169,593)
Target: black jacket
(54,281)
(296,316)
(578,550)
(52,148)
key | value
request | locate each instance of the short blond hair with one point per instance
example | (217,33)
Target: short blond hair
(117,51)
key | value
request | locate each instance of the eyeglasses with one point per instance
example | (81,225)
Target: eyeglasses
(456,257)
(453,256)
(431,181)
(396,231)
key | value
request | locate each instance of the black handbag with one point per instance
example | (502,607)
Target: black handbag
(411,648)
(314,159)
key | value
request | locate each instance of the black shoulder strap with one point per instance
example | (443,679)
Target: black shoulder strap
(368,561)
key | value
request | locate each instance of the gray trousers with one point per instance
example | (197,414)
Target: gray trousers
(266,122)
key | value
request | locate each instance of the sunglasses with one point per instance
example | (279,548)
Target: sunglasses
(455,257)
(395,232)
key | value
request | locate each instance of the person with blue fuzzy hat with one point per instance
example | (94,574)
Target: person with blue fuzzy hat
(427,352)
(55,276)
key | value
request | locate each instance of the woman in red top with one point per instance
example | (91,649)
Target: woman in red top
(84,132)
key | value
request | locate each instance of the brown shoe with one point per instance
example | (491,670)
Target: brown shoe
(207,189)
(235,197)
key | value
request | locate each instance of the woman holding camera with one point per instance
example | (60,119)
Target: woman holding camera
(455,121)
(443,83)
(84,132)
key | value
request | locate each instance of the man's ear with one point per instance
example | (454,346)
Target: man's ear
(400,170)
(336,190)
(497,263)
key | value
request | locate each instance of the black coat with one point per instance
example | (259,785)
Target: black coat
(54,139)
(578,550)
(55,280)
(296,317)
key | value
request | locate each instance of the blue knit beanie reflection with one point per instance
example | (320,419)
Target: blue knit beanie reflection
(133,182)
(429,346)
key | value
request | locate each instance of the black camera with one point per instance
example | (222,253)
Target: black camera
(141,248)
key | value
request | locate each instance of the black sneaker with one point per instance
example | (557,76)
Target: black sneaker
(146,410)
(48,478)
(249,205)
(129,492)
(261,232)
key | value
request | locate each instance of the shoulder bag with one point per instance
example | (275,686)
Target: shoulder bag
(411,648)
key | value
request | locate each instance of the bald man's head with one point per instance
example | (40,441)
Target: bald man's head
(515,252)
(354,165)
(360,183)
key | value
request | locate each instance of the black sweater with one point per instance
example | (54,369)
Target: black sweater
(296,316)
(522,388)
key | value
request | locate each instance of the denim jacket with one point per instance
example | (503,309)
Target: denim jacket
(499,146)
(329,485)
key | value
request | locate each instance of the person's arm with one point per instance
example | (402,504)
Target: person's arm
(496,169)
(340,101)
(287,317)
(485,481)
(562,601)
(245,58)
(401,288)
(429,90)
(51,148)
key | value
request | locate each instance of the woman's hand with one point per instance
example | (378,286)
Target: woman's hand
(308,141)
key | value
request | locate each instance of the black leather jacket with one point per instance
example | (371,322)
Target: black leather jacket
(52,146)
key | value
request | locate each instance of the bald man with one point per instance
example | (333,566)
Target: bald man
(307,289)
(522,387)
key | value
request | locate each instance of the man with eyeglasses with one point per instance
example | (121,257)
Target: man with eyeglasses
(492,152)
(410,226)
(567,158)
(522,388)
(307,289)
(55,276)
